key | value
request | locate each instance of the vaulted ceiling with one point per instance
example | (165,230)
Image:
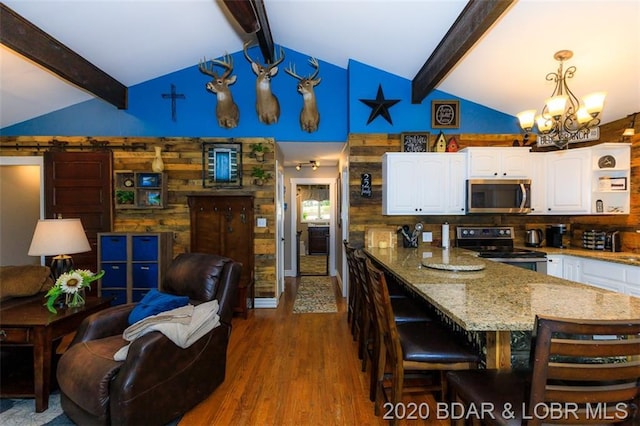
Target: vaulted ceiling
(137,40)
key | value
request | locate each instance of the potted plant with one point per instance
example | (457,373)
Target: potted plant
(258,150)
(260,175)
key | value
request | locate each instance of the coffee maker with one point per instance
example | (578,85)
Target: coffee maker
(554,235)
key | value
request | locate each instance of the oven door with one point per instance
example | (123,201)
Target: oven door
(537,264)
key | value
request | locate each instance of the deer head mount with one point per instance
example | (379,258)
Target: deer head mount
(227,110)
(267,104)
(309,116)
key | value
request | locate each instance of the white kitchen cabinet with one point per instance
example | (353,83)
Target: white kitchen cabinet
(568,181)
(571,268)
(423,183)
(498,162)
(598,273)
(607,275)
(538,183)
(554,265)
(610,178)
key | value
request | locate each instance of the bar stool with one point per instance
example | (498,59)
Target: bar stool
(588,370)
(411,350)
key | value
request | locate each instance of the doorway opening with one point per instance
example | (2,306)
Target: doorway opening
(313,223)
(314,207)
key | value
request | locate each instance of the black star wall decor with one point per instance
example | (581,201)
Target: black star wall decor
(380,106)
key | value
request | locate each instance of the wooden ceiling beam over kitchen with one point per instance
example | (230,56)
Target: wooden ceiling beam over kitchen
(23,37)
(474,20)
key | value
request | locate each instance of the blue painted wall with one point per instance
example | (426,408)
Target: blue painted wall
(338,97)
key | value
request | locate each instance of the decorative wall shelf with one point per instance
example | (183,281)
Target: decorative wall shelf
(140,190)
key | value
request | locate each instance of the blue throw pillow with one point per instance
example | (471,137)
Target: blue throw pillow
(155,302)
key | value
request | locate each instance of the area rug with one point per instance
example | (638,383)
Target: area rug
(315,294)
(313,265)
(22,412)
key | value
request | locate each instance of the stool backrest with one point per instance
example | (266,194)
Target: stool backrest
(384,314)
(589,370)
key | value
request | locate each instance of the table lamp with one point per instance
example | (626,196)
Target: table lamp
(59,238)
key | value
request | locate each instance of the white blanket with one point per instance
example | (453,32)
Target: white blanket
(183,326)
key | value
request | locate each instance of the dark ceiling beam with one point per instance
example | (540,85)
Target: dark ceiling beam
(265,39)
(252,18)
(21,36)
(476,18)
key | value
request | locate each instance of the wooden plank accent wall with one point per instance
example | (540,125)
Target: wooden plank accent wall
(182,159)
(365,156)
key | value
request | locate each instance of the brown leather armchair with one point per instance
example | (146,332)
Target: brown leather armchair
(158,381)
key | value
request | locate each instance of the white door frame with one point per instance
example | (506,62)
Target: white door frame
(280,200)
(332,219)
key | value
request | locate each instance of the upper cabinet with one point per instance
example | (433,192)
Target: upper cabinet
(498,162)
(610,178)
(567,181)
(423,183)
(589,180)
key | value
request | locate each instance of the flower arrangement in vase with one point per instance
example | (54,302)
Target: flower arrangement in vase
(72,284)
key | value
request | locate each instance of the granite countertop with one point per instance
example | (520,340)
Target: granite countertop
(500,296)
(626,258)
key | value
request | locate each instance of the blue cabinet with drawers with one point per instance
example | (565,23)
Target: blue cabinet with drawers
(133,263)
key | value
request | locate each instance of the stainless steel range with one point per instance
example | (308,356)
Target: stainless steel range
(496,243)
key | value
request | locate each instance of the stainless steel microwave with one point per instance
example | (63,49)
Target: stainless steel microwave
(499,196)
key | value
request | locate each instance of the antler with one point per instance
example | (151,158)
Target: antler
(205,69)
(314,63)
(226,63)
(292,70)
(267,67)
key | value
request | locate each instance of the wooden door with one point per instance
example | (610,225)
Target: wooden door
(78,185)
(237,233)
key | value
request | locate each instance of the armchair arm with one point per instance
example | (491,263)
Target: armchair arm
(108,322)
(154,362)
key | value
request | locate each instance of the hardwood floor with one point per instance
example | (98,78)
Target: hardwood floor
(292,369)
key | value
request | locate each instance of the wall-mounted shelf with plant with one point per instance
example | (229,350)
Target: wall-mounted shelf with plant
(258,150)
(260,176)
(140,190)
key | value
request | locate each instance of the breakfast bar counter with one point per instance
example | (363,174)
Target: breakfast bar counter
(494,299)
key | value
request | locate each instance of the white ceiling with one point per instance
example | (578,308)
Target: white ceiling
(137,40)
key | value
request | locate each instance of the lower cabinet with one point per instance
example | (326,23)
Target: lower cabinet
(223,225)
(133,263)
(598,273)
(555,266)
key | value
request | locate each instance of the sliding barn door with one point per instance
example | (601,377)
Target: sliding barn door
(78,185)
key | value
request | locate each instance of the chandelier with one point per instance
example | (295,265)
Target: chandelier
(563,119)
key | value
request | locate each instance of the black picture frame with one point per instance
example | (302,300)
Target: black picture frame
(221,165)
(414,141)
(445,114)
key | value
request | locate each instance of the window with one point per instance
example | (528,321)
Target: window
(314,203)
(315,211)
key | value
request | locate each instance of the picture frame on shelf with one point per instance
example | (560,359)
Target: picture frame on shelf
(221,165)
(414,141)
(445,114)
(148,180)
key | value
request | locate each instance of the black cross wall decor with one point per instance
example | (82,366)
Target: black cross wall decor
(173,96)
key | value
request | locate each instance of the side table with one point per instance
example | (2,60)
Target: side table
(31,324)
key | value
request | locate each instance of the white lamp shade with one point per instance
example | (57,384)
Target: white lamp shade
(526,118)
(629,132)
(556,105)
(594,102)
(583,115)
(544,124)
(54,237)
